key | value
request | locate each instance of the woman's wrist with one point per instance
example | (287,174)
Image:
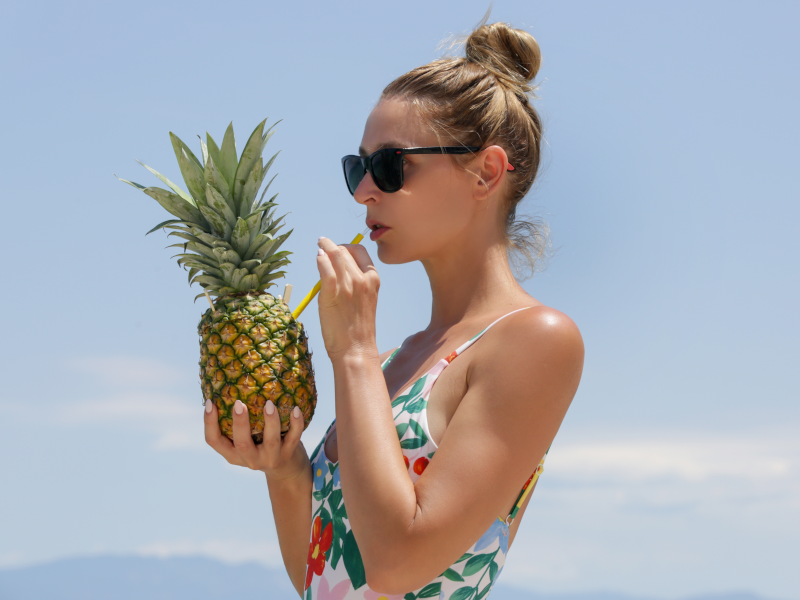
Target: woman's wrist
(278,480)
(289,474)
(356,355)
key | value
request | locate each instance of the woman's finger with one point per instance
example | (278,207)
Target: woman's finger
(270,449)
(214,437)
(242,436)
(360,257)
(343,264)
(327,276)
(292,437)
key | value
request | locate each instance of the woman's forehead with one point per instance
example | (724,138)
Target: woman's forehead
(394,123)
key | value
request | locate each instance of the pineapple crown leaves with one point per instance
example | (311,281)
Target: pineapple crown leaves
(230,238)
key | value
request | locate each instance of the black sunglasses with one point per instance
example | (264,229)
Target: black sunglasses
(386,166)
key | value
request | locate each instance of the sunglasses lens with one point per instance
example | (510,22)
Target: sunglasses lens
(387,170)
(353,172)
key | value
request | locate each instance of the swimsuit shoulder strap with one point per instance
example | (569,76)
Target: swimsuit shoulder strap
(391,356)
(471,341)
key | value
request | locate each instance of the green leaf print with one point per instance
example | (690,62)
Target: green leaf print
(325,516)
(410,596)
(413,443)
(415,390)
(416,406)
(476,563)
(308,594)
(336,550)
(464,557)
(453,575)
(463,593)
(324,492)
(339,533)
(339,529)
(352,561)
(493,568)
(484,591)
(418,442)
(401,430)
(417,428)
(401,399)
(431,590)
(418,386)
(335,499)
(332,467)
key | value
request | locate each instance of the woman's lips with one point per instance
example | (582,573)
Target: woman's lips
(376,233)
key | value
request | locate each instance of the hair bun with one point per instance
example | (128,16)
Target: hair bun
(507,52)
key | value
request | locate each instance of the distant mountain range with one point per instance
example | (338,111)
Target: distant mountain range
(196,578)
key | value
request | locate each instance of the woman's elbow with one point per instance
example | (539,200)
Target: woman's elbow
(387,575)
(381,578)
(391,578)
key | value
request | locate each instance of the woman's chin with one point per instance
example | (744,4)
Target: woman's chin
(391,256)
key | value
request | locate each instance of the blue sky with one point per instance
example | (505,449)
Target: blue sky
(670,188)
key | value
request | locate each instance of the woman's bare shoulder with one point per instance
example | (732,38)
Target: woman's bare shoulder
(540,342)
(545,324)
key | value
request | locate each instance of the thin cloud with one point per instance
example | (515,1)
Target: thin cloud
(128,371)
(230,551)
(175,421)
(688,460)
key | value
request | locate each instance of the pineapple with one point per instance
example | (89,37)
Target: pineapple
(251,347)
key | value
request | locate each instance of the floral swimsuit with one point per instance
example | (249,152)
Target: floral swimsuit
(335,570)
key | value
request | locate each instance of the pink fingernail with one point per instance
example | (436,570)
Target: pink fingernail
(320,252)
(238,407)
(296,412)
(270,407)
(209,405)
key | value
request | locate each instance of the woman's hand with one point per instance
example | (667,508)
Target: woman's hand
(348,299)
(280,459)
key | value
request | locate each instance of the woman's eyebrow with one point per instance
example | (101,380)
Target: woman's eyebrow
(363,152)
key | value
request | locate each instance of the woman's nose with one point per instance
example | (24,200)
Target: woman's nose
(366,190)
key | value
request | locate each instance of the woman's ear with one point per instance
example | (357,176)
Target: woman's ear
(490,169)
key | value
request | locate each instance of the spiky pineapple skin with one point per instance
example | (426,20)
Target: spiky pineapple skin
(252,349)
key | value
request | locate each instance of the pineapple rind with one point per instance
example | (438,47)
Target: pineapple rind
(252,349)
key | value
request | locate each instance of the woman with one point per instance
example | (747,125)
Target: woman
(433,478)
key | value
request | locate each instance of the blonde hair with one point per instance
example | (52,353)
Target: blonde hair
(483,99)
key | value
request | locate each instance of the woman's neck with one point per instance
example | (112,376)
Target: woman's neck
(470,281)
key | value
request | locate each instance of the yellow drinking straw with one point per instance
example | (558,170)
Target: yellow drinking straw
(315,290)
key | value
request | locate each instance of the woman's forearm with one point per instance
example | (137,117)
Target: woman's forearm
(380,497)
(291,508)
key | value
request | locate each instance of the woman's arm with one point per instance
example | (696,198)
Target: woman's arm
(517,397)
(291,509)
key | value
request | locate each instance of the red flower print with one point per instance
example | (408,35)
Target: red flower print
(405,458)
(320,543)
(420,464)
